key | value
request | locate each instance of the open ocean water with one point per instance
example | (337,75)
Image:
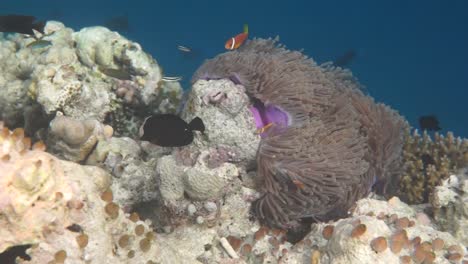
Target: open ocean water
(411,55)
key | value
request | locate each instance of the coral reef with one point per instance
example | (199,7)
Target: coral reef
(229,126)
(329,143)
(450,205)
(329,146)
(74,140)
(428,162)
(134,178)
(91,74)
(384,232)
(62,210)
(204,169)
(198,182)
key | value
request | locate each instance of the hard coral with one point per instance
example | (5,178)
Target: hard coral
(54,206)
(330,142)
(76,74)
(449,201)
(75,139)
(428,162)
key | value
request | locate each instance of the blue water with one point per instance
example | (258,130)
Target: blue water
(411,55)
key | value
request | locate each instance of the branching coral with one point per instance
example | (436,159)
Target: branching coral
(428,162)
(330,143)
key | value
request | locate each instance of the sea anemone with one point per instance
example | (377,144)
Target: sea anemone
(330,143)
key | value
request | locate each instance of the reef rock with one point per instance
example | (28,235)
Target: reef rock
(73,139)
(203,169)
(199,181)
(134,178)
(64,211)
(450,205)
(91,74)
(384,232)
(230,128)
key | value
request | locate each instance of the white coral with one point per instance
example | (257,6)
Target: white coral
(450,202)
(42,196)
(199,182)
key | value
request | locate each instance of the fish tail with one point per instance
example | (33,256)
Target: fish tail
(246,28)
(197,124)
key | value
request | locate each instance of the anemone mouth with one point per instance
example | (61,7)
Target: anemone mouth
(268,114)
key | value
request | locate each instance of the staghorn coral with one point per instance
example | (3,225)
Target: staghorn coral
(330,142)
(428,162)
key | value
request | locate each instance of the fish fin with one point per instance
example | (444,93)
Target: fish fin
(197,124)
(246,28)
(39,26)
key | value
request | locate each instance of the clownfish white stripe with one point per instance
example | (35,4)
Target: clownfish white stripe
(233,42)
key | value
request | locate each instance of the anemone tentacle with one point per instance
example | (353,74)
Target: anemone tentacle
(337,142)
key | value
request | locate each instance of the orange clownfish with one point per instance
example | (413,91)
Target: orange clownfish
(264,128)
(235,42)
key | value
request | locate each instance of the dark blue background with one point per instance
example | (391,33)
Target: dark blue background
(411,55)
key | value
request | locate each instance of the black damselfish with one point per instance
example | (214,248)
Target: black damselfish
(20,24)
(168,130)
(429,122)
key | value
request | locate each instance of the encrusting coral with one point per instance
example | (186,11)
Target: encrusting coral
(450,205)
(327,145)
(384,232)
(428,162)
(63,211)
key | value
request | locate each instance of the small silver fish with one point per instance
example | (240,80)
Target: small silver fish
(172,79)
(40,43)
(183,48)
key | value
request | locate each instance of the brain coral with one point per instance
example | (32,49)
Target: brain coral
(330,144)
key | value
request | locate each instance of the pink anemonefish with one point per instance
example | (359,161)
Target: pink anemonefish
(235,42)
